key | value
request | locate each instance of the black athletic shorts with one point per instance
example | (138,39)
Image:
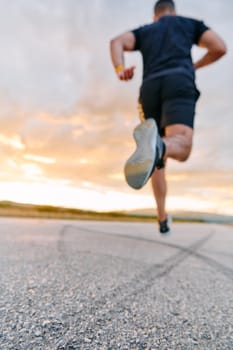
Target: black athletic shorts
(169,100)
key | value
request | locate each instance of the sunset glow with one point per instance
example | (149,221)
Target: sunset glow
(66,121)
(60,193)
(13,142)
(40,159)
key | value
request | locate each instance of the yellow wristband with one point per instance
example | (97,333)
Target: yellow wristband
(119,68)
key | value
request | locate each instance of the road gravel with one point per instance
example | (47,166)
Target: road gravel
(69,285)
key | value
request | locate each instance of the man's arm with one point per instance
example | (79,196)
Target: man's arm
(215,46)
(118,45)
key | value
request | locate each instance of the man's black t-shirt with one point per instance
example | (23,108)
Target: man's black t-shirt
(166,45)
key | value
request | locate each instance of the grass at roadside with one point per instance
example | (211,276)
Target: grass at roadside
(11,209)
(8,209)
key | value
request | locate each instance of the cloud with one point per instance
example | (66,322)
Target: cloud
(60,99)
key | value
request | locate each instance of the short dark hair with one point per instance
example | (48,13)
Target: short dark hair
(162,5)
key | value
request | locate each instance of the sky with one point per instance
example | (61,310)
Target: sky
(66,121)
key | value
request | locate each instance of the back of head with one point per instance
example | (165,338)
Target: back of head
(162,6)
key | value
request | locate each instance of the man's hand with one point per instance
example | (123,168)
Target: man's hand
(125,74)
(122,43)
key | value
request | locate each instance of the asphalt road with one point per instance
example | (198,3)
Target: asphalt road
(93,285)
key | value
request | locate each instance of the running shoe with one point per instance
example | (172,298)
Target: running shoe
(147,156)
(164,226)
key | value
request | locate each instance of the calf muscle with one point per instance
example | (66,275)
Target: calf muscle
(178,140)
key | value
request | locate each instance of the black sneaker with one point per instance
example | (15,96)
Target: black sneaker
(164,226)
(148,155)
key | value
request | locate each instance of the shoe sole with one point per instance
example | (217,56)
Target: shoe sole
(140,165)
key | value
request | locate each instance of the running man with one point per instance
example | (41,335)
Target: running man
(168,94)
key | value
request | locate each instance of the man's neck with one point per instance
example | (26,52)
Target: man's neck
(164,13)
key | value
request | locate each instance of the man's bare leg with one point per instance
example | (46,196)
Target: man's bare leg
(159,187)
(178,140)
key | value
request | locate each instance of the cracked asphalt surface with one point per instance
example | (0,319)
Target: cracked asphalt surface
(93,285)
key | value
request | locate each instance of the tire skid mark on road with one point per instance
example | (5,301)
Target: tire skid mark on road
(61,238)
(115,301)
(62,250)
(226,271)
(146,279)
(219,253)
